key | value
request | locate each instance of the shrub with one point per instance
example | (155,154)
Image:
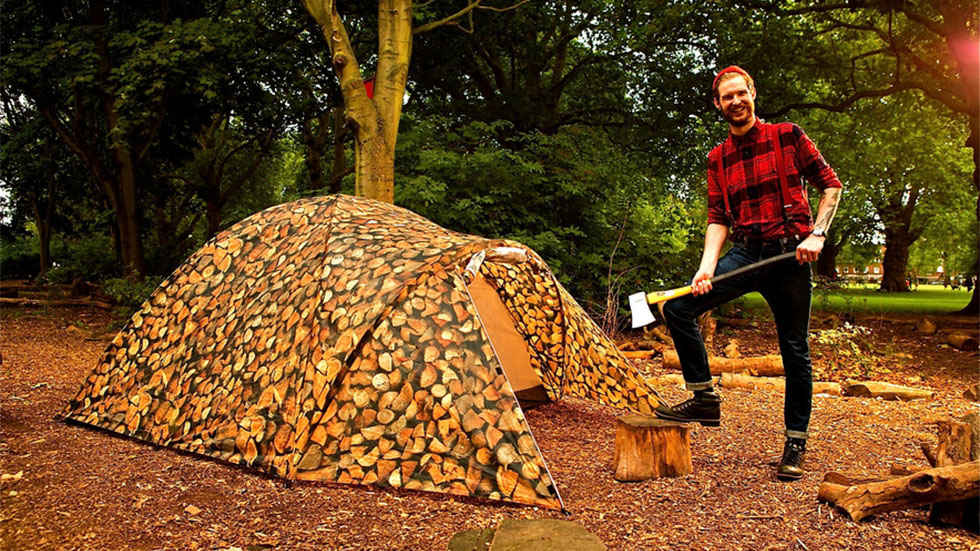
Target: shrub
(19,258)
(90,258)
(130,293)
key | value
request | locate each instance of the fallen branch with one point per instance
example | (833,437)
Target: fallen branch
(886,391)
(942,485)
(34,303)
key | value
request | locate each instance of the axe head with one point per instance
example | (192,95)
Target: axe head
(640,310)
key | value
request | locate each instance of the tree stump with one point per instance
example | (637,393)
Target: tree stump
(927,326)
(647,447)
(958,444)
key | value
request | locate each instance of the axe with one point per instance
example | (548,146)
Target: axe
(640,302)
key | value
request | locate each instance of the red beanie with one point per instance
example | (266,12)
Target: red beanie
(730,69)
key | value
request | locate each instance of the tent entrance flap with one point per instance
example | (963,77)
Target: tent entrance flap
(510,346)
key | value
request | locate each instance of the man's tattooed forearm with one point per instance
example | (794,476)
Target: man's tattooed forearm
(828,207)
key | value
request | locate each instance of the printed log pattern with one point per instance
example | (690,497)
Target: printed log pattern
(595,368)
(333,339)
(531,297)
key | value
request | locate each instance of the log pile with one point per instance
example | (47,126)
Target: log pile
(951,487)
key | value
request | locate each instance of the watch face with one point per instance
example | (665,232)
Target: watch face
(817,232)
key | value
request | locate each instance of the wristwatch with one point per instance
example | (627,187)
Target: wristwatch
(819,232)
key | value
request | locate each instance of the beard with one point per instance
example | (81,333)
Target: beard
(740,116)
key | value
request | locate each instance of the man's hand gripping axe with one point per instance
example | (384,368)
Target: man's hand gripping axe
(640,302)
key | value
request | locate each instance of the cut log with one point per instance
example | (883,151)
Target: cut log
(731,350)
(886,391)
(707,325)
(661,334)
(931,486)
(644,345)
(759,365)
(853,479)
(957,445)
(647,447)
(739,380)
(640,354)
(927,326)
(904,470)
(33,303)
(663,380)
(964,342)
(973,393)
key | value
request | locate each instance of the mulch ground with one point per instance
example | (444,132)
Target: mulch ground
(81,488)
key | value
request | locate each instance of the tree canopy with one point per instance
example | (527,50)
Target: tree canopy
(142,130)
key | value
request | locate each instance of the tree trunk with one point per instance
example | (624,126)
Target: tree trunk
(895,263)
(44,245)
(340,168)
(129,216)
(374,120)
(375,169)
(973,142)
(315,141)
(213,211)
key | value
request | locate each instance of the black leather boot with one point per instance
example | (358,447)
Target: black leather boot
(704,408)
(791,466)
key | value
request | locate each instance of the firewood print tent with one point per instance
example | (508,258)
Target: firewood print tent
(345,340)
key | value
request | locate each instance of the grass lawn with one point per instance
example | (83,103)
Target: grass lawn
(927,299)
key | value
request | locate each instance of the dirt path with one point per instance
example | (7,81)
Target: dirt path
(85,489)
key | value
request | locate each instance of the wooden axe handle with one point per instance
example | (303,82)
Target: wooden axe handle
(662,296)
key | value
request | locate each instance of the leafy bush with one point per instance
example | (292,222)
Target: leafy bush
(91,258)
(584,205)
(128,292)
(19,258)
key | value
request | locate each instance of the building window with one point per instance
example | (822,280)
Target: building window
(877,270)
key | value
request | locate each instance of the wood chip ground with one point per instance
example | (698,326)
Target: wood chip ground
(86,489)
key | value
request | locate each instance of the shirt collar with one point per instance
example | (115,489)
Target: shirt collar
(751,136)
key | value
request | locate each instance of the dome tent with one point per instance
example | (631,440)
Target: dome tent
(346,340)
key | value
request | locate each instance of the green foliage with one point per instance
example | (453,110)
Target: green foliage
(845,353)
(130,293)
(577,200)
(89,258)
(19,258)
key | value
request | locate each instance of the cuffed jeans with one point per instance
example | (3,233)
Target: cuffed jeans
(787,287)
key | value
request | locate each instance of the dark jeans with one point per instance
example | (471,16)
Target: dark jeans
(787,288)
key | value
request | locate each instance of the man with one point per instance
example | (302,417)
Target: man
(757,199)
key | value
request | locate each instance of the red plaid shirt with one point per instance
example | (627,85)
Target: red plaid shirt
(752,181)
